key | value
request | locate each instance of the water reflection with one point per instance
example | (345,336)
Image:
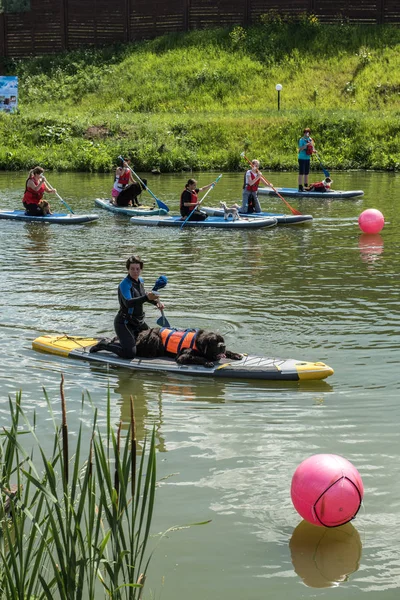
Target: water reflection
(152,391)
(37,237)
(325,557)
(371,247)
(147,405)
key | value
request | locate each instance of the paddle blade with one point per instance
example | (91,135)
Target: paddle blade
(326,172)
(162,205)
(163,321)
(160,283)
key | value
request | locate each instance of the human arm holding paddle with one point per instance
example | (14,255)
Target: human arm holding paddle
(38,182)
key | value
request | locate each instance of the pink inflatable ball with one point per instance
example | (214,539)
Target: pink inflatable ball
(371,221)
(327,490)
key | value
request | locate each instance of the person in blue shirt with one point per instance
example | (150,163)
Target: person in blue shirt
(130,319)
(305,150)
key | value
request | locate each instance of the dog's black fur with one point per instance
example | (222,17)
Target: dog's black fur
(131,193)
(210,347)
(251,205)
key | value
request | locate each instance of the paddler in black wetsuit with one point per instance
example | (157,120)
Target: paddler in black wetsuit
(130,319)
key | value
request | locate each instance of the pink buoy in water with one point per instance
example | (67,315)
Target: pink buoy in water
(327,490)
(371,221)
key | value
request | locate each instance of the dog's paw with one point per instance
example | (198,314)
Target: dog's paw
(209,365)
(233,355)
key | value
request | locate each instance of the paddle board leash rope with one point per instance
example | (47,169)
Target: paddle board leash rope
(293,210)
(59,197)
(160,204)
(198,204)
(159,284)
(325,170)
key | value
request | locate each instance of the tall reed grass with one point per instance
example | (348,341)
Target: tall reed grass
(74,525)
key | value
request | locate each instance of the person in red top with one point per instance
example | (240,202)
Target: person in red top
(123,177)
(251,183)
(190,201)
(35,187)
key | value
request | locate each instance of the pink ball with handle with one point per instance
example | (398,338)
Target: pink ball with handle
(371,221)
(327,490)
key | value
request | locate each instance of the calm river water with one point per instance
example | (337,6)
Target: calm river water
(227,451)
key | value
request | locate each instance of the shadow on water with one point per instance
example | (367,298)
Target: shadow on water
(325,557)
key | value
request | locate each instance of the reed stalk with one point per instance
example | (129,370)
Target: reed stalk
(74,526)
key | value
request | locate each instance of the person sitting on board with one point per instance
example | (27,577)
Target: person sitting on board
(123,177)
(35,187)
(320,186)
(305,150)
(129,320)
(190,201)
(250,187)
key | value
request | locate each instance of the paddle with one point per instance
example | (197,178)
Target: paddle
(197,205)
(326,172)
(293,210)
(59,197)
(159,284)
(160,204)
(163,321)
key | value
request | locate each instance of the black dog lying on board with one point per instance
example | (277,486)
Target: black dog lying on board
(208,346)
(130,194)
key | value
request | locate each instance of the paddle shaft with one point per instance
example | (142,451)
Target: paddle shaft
(63,201)
(160,284)
(160,204)
(293,210)
(66,204)
(326,172)
(197,205)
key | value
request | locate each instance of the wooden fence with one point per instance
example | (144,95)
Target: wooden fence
(48,26)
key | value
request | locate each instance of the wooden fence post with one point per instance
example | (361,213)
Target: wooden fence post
(127,20)
(64,23)
(380,11)
(247,13)
(186,15)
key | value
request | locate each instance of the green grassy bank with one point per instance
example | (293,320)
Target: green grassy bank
(196,100)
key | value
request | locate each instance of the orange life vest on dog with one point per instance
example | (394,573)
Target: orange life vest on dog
(175,340)
(319,186)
